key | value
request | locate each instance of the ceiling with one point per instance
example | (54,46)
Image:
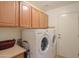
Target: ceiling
(48,5)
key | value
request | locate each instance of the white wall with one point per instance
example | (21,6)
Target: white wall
(53,14)
(56,13)
(9,33)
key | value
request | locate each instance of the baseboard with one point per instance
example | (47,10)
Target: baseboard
(59,56)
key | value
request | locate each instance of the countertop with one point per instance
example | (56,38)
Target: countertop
(11,52)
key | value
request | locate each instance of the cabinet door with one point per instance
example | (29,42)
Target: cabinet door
(25,15)
(35,18)
(8,13)
(46,21)
(43,20)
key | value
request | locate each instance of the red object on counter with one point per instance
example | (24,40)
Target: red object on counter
(7,44)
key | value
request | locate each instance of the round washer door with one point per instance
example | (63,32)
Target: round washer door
(44,44)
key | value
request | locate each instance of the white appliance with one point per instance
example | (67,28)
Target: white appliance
(40,43)
(52,37)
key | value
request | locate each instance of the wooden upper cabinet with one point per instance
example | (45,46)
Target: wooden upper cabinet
(8,13)
(35,18)
(15,13)
(25,15)
(43,20)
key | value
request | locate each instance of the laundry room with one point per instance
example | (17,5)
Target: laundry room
(39,29)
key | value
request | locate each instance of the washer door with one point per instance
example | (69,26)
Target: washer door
(44,43)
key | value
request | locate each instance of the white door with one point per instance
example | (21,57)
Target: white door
(68,35)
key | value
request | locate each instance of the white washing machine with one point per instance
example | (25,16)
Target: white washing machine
(52,37)
(40,44)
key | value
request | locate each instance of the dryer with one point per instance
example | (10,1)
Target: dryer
(52,37)
(40,44)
